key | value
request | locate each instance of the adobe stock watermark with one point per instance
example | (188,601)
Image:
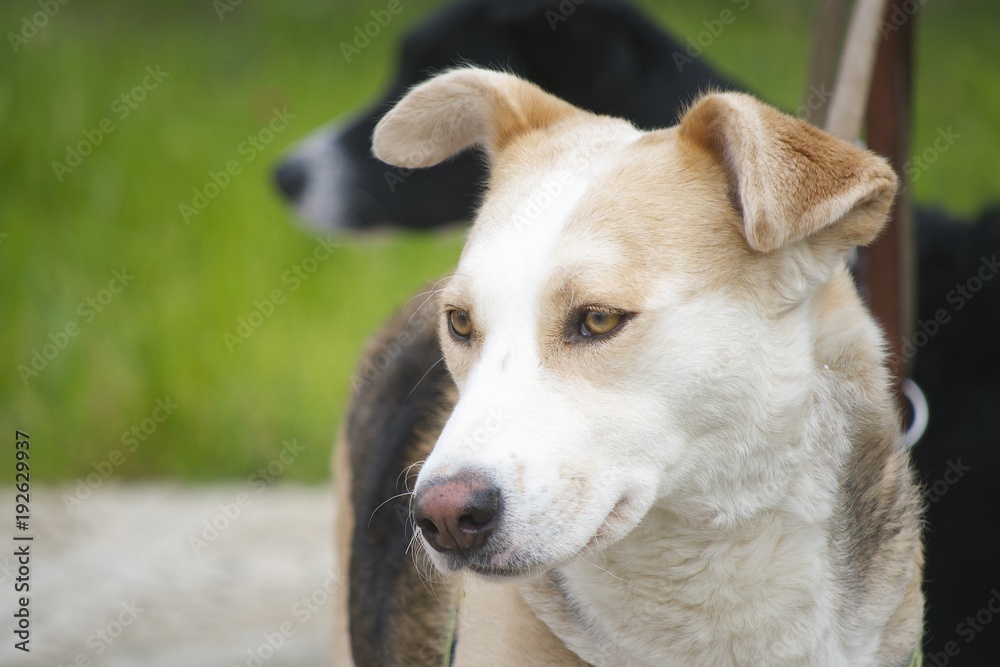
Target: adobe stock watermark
(900,15)
(248,150)
(264,309)
(87,310)
(477,438)
(535,205)
(364,34)
(302,611)
(101,639)
(916,166)
(549,192)
(223,7)
(122,107)
(951,476)
(815,100)
(957,297)
(31,25)
(967,630)
(131,440)
(430,145)
(372,366)
(229,513)
(713,30)
(561,13)
(8,568)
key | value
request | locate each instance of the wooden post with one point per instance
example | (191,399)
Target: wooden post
(887,267)
(828,30)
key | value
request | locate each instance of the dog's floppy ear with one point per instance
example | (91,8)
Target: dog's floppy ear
(462,108)
(788,179)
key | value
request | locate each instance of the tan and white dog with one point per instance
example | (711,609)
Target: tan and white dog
(674,440)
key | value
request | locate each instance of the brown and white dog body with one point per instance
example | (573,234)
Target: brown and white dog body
(674,440)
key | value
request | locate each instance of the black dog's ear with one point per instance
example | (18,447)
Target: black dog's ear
(463,108)
(517,10)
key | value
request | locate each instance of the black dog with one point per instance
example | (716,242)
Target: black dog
(607,57)
(957,364)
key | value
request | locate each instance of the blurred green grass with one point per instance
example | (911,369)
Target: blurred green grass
(163,335)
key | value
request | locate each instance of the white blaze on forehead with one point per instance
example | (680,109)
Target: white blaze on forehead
(508,262)
(508,268)
(511,256)
(504,274)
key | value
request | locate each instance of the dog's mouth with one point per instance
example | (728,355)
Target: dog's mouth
(499,571)
(511,562)
(499,566)
(502,561)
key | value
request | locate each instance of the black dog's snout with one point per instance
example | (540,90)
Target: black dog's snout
(291,178)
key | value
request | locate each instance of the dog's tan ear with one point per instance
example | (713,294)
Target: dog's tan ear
(459,109)
(790,180)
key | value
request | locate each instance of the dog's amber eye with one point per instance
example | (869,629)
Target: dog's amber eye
(600,322)
(459,323)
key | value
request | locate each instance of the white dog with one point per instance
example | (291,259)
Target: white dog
(674,441)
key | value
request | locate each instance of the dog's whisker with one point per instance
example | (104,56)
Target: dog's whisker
(430,295)
(426,572)
(407,473)
(594,564)
(440,359)
(409,545)
(398,495)
(402,474)
(433,290)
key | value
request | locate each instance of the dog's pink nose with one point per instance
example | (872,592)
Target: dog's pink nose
(457,514)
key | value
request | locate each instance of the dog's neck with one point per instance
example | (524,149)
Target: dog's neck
(675,592)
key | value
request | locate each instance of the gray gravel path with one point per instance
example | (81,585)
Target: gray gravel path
(120,581)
